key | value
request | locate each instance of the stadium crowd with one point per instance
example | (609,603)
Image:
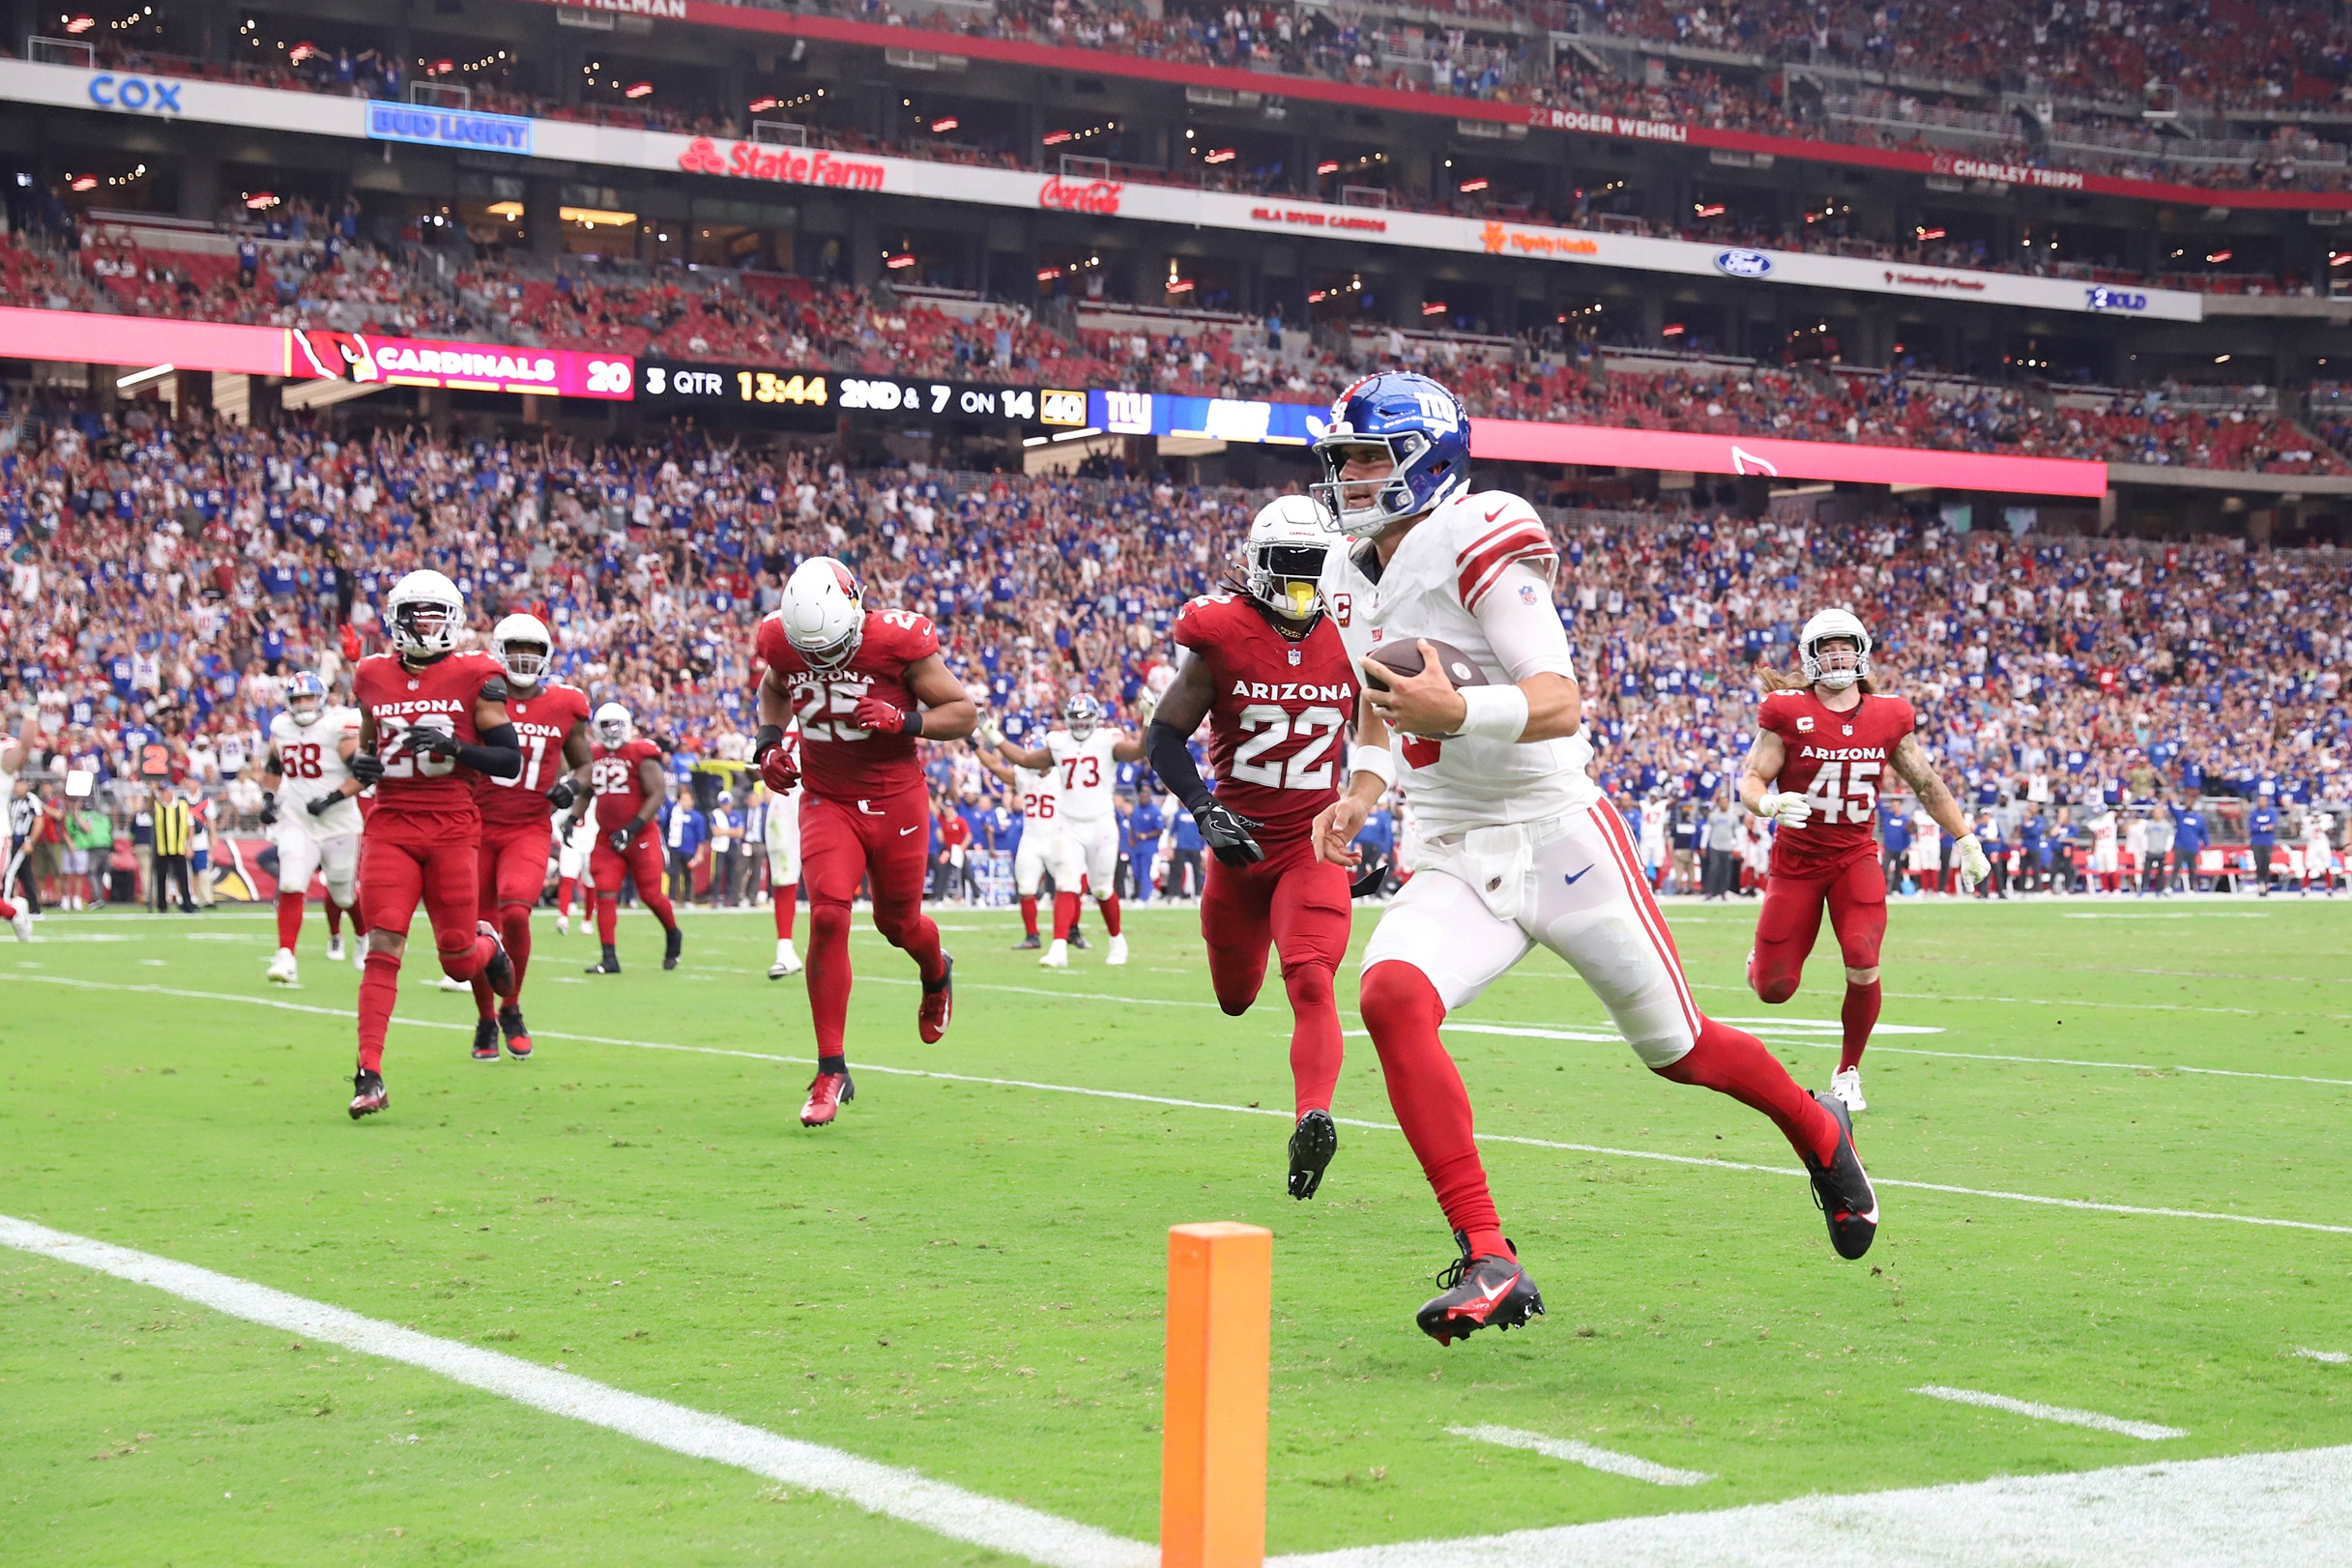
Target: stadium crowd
(163,582)
(333,280)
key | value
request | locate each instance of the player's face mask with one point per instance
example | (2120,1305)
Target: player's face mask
(306,709)
(1287,578)
(1839,660)
(526,662)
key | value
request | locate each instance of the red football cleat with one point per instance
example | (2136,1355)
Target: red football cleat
(368,1094)
(937,1005)
(518,1034)
(826,1093)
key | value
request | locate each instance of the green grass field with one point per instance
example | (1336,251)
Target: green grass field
(964,1277)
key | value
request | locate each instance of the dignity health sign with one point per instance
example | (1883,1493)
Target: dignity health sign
(448,127)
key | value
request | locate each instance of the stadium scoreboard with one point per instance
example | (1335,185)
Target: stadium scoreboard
(689,387)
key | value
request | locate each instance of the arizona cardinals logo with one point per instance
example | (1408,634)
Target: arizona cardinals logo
(333,355)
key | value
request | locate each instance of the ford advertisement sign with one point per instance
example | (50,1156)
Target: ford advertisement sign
(1743,263)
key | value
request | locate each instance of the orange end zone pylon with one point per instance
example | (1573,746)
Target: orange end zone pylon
(1213,1454)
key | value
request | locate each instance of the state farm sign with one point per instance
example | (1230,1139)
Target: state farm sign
(750,160)
(1097,197)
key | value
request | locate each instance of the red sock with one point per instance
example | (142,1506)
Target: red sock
(787,900)
(608,916)
(1066,915)
(334,919)
(1860,1016)
(563,895)
(8,910)
(658,899)
(1732,1061)
(1028,913)
(514,930)
(485,999)
(1315,1046)
(379,988)
(829,974)
(1402,1011)
(1110,914)
(289,919)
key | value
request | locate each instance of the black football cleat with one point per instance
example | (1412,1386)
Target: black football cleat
(500,969)
(1313,1142)
(826,1091)
(609,963)
(1078,938)
(937,1005)
(1028,945)
(672,945)
(486,1040)
(518,1034)
(368,1094)
(1841,1190)
(1479,1292)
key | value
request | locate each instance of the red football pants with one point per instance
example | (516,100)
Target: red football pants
(513,875)
(1786,926)
(1299,905)
(844,843)
(401,865)
(644,866)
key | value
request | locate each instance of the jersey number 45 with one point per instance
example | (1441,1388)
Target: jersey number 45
(1845,791)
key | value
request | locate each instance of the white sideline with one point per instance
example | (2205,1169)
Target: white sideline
(1704,1161)
(2144,1431)
(1584,1454)
(881,1489)
(2333,1358)
(2244,1511)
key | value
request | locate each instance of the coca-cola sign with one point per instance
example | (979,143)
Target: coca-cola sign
(1097,197)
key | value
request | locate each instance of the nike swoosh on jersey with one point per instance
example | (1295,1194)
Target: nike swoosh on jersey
(1571,879)
(904,831)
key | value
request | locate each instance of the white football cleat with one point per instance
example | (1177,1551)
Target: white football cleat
(281,970)
(1847,1087)
(21,922)
(563,925)
(787,961)
(334,950)
(1058,956)
(1118,954)
(359,954)
(463,988)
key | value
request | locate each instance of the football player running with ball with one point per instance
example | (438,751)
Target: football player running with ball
(1267,668)
(432,720)
(550,720)
(310,799)
(632,789)
(1518,846)
(1081,761)
(865,686)
(1824,741)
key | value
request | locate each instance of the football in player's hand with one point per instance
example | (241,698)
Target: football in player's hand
(1405,658)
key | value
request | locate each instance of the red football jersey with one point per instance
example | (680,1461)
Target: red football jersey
(542,721)
(439,696)
(613,771)
(1276,731)
(1836,761)
(839,761)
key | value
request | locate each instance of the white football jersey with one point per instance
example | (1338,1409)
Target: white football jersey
(1040,804)
(1442,584)
(1086,777)
(310,762)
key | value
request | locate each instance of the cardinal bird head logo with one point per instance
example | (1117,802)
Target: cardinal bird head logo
(333,355)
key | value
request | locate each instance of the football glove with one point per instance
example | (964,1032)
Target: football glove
(885,719)
(622,840)
(562,793)
(988,735)
(269,808)
(432,742)
(325,803)
(778,772)
(1972,867)
(1228,833)
(367,768)
(1787,808)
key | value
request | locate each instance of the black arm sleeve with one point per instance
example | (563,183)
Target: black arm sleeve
(1164,749)
(500,754)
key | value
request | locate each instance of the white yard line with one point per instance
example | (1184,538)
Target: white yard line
(2333,1358)
(2244,1511)
(1584,1454)
(2078,1204)
(881,1489)
(2144,1431)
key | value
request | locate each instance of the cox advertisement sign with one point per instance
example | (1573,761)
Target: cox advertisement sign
(409,361)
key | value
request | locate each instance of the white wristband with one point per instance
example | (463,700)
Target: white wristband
(1495,712)
(1378,761)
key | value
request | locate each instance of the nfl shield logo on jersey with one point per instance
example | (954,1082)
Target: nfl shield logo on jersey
(1527,592)
(1849,729)
(1294,661)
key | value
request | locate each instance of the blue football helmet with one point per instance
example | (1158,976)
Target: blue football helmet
(1419,427)
(306,688)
